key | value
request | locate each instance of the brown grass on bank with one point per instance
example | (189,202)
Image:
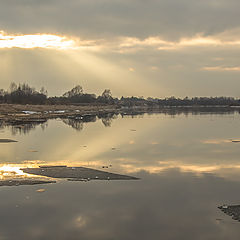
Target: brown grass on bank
(14,112)
(17,108)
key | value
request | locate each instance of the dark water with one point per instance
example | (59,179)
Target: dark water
(187,163)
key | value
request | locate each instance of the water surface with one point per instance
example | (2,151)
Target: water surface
(187,163)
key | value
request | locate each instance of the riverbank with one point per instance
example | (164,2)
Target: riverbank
(28,113)
(34,112)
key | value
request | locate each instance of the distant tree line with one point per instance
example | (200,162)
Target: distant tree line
(197,101)
(25,94)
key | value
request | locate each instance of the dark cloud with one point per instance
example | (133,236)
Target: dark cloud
(102,18)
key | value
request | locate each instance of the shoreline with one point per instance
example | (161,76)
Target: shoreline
(28,113)
(11,112)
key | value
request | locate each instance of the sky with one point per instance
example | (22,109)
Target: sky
(157,48)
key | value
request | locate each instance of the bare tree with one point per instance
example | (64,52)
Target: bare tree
(76,91)
(13,87)
(43,91)
(107,94)
(2,92)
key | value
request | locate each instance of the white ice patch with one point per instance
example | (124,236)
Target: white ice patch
(30,112)
(60,111)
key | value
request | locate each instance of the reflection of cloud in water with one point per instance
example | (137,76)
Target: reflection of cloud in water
(172,205)
(189,143)
(164,166)
(216,141)
(183,180)
(129,166)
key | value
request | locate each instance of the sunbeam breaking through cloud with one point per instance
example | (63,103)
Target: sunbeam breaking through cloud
(35,41)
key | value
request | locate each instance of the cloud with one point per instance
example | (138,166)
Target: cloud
(120,44)
(104,211)
(131,69)
(127,43)
(216,141)
(221,69)
(41,41)
(171,19)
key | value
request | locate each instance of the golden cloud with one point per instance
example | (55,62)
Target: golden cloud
(35,41)
(120,44)
(49,41)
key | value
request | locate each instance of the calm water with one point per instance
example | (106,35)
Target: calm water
(187,164)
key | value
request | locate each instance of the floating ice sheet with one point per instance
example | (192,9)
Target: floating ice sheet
(75,173)
(7,141)
(233,211)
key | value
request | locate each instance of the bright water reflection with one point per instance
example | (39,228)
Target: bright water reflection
(188,165)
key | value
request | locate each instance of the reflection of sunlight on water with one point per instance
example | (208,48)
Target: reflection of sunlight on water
(13,171)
